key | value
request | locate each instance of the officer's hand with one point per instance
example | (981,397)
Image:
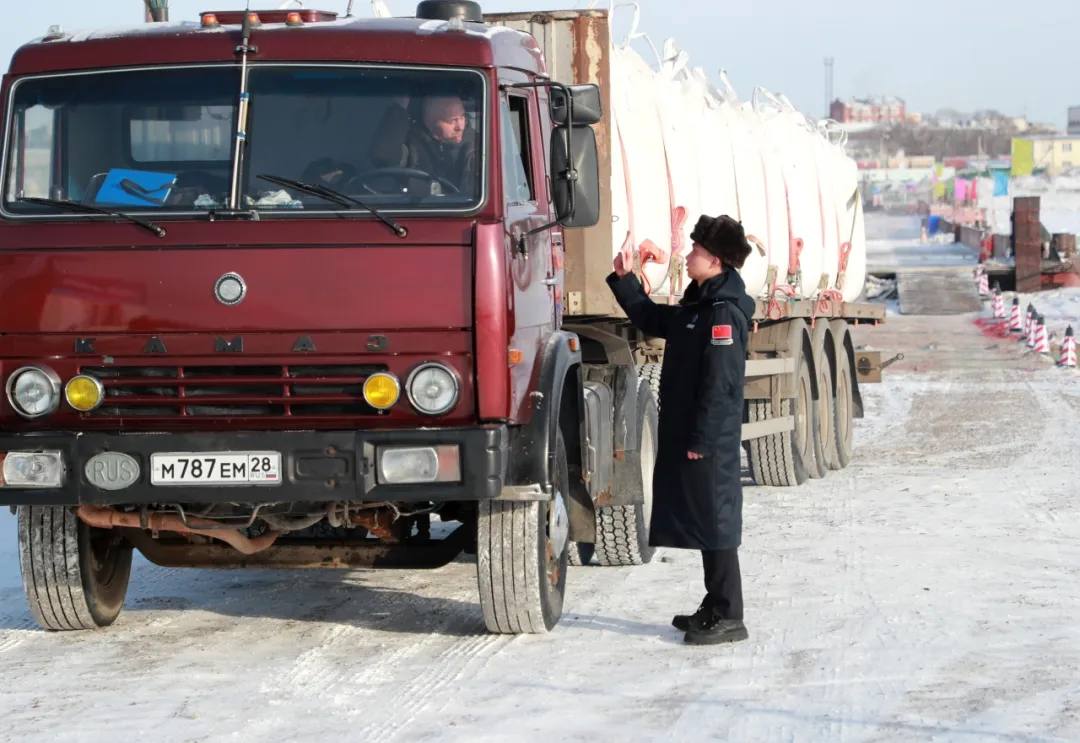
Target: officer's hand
(694,456)
(624,261)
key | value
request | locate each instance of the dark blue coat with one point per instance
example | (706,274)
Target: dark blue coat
(697,504)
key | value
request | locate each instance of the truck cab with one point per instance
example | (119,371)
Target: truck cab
(284,289)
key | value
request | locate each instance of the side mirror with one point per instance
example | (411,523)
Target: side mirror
(588,109)
(575,176)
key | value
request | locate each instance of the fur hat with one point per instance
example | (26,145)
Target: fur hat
(724,237)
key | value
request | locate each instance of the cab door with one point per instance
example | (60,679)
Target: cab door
(526,208)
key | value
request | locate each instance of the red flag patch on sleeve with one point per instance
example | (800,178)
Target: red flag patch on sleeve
(721,335)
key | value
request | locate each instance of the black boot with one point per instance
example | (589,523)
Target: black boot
(682,622)
(713,629)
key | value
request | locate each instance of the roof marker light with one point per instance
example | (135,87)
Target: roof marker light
(294,19)
(210,20)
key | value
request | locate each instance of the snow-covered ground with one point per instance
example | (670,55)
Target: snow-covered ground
(927,592)
(1060,307)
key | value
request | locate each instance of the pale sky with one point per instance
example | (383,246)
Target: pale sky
(1020,58)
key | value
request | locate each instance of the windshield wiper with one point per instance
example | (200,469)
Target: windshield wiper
(74,206)
(336,197)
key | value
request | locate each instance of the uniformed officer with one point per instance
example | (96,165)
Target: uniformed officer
(697,488)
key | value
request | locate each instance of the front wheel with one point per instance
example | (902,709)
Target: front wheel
(521,558)
(75,576)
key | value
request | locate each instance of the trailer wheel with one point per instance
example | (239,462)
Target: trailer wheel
(622,532)
(785,459)
(75,577)
(651,374)
(825,457)
(521,558)
(845,402)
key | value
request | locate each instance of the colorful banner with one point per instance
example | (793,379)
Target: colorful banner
(961,191)
(1023,157)
(1001,183)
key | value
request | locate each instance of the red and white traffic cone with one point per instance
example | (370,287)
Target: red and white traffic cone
(1033,321)
(1068,350)
(1042,342)
(1016,324)
(999,304)
(984,285)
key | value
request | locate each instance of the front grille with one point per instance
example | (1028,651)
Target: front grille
(232,391)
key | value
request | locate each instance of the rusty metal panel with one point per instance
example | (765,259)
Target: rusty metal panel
(1028,244)
(1065,245)
(576,47)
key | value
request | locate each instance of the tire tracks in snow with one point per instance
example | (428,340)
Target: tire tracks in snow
(421,692)
(378,675)
(18,633)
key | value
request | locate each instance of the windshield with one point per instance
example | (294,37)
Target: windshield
(163,140)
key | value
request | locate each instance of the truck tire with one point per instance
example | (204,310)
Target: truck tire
(825,456)
(521,558)
(785,459)
(75,577)
(651,374)
(844,407)
(622,532)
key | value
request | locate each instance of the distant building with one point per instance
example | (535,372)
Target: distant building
(1052,154)
(1074,120)
(884,110)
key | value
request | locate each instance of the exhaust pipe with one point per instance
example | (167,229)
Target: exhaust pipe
(106,518)
(157,11)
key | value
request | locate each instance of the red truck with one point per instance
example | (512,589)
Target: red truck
(245,325)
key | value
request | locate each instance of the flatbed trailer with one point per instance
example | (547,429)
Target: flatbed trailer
(803,370)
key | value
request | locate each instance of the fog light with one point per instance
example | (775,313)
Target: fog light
(418,465)
(382,391)
(41,469)
(84,393)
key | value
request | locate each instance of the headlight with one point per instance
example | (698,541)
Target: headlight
(34,391)
(84,393)
(382,391)
(433,389)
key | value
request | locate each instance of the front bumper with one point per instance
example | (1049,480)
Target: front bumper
(317,466)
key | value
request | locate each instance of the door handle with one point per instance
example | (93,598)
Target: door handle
(552,281)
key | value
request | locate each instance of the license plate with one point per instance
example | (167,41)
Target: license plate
(216,468)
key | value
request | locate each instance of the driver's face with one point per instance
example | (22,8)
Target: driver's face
(445,120)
